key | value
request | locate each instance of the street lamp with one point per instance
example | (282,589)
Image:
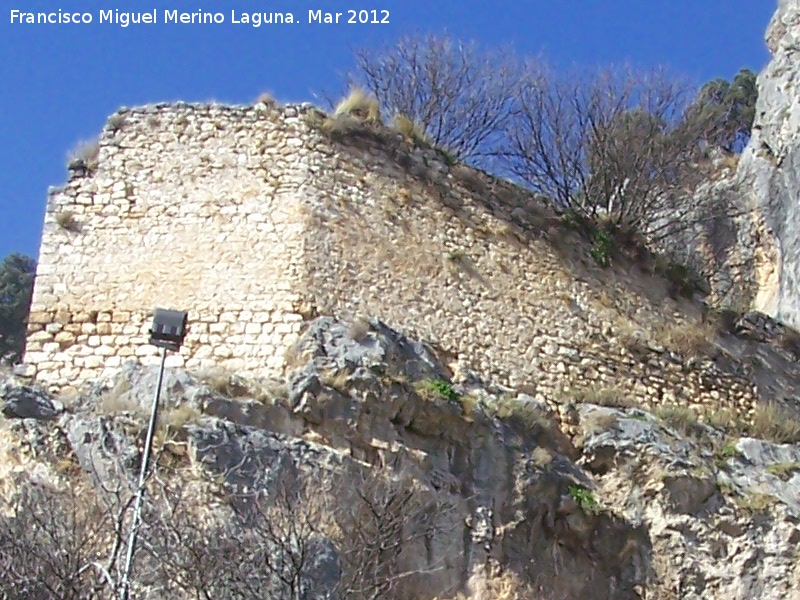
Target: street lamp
(167,332)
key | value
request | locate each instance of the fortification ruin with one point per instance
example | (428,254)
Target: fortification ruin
(257,218)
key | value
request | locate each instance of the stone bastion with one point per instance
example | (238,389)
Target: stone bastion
(256,218)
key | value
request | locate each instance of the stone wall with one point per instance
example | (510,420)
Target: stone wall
(256,218)
(187,207)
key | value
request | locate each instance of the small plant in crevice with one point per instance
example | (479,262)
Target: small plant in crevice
(449,158)
(115,122)
(359,105)
(85,156)
(584,498)
(411,131)
(603,245)
(66,220)
(437,389)
(455,255)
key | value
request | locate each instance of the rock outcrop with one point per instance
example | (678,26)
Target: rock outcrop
(475,488)
(769,170)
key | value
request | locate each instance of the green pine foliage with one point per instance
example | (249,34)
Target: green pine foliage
(16,286)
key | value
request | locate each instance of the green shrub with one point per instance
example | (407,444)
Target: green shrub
(584,498)
(603,245)
(437,389)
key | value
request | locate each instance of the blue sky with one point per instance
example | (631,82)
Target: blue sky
(61,81)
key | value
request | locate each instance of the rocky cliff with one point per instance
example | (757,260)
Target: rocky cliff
(368,474)
(528,425)
(769,170)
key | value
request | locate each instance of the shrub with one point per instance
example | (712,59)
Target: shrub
(86,152)
(603,246)
(433,389)
(584,498)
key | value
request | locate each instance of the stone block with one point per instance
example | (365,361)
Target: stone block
(40,317)
(103,328)
(222,352)
(40,336)
(65,337)
(51,347)
(93,341)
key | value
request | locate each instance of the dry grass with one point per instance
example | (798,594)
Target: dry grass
(681,418)
(117,400)
(66,220)
(228,384)
(611,396)
(179,416)
(359,329)
(86,151)
(784,470)
(267,99)
(359,105)
(541,457)
(525,413)
(335,378)
(411,131)
(686,338)
(774,424)
(115,122)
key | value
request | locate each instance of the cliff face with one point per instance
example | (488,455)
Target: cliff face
(379,478)
(769,170)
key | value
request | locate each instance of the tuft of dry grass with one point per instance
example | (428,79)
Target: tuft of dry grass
(267,99)
(525,413)
(610,396)
(681,418)
(179,416)
(359,105)
(66,220)
(770,422)
(115,122)
(411,131)
(686,338)
(359,329)
(86,151)
(225,383)
(541,457)
(117,400)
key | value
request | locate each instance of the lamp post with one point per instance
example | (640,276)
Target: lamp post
(167,332)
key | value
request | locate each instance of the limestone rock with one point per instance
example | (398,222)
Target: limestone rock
(28,402)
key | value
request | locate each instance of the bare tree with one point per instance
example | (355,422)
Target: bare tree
(53,545)
(389,525)
(461,97)
(612,143)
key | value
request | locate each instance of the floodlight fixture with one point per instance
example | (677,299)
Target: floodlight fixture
(167,332)
(168,329)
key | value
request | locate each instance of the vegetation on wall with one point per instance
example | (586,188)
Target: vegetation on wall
(616,145)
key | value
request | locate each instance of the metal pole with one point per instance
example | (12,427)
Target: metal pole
(143,472)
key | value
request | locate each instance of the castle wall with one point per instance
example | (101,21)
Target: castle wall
(253,219)
(192,208)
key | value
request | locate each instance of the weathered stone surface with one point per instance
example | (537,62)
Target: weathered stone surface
(769,170)
(28,402)
(638,508)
